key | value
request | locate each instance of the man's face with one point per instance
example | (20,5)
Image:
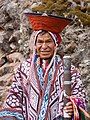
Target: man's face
(45,46)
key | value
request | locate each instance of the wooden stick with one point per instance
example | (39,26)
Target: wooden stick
(67,82)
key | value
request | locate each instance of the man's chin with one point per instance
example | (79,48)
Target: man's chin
(46,57)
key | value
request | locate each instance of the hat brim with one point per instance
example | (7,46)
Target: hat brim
(50,23)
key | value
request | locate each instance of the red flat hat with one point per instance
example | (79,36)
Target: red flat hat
(49,23)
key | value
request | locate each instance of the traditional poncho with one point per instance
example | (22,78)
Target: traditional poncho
(37,92)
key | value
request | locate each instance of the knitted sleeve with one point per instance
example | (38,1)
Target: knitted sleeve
(79,96)
(78,89)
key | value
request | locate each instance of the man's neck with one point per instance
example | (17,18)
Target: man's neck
(47,60)
(45,63)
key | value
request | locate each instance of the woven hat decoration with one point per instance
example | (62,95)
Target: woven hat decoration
(50,23)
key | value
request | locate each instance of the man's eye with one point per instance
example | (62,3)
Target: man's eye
(49,41)
(39,41)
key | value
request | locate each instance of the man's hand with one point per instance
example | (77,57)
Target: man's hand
(69,108)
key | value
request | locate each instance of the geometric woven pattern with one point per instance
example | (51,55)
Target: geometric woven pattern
(25,96)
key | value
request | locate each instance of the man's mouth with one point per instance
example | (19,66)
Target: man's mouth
(45,52)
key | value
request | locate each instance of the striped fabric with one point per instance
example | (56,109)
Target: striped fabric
(28,99)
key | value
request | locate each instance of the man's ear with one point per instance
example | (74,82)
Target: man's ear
(35,48)
(56,46)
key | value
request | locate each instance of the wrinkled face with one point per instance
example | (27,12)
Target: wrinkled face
(45,46)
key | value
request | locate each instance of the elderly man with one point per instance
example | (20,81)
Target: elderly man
(37,90)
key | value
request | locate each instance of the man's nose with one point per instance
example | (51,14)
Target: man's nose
(44,45)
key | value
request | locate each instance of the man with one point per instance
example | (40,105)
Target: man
(37,91)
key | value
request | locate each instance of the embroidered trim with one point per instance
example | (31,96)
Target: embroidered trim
(12,114)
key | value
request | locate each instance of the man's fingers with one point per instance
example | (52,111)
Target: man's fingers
(69,103)
(70,114)
(69,108)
